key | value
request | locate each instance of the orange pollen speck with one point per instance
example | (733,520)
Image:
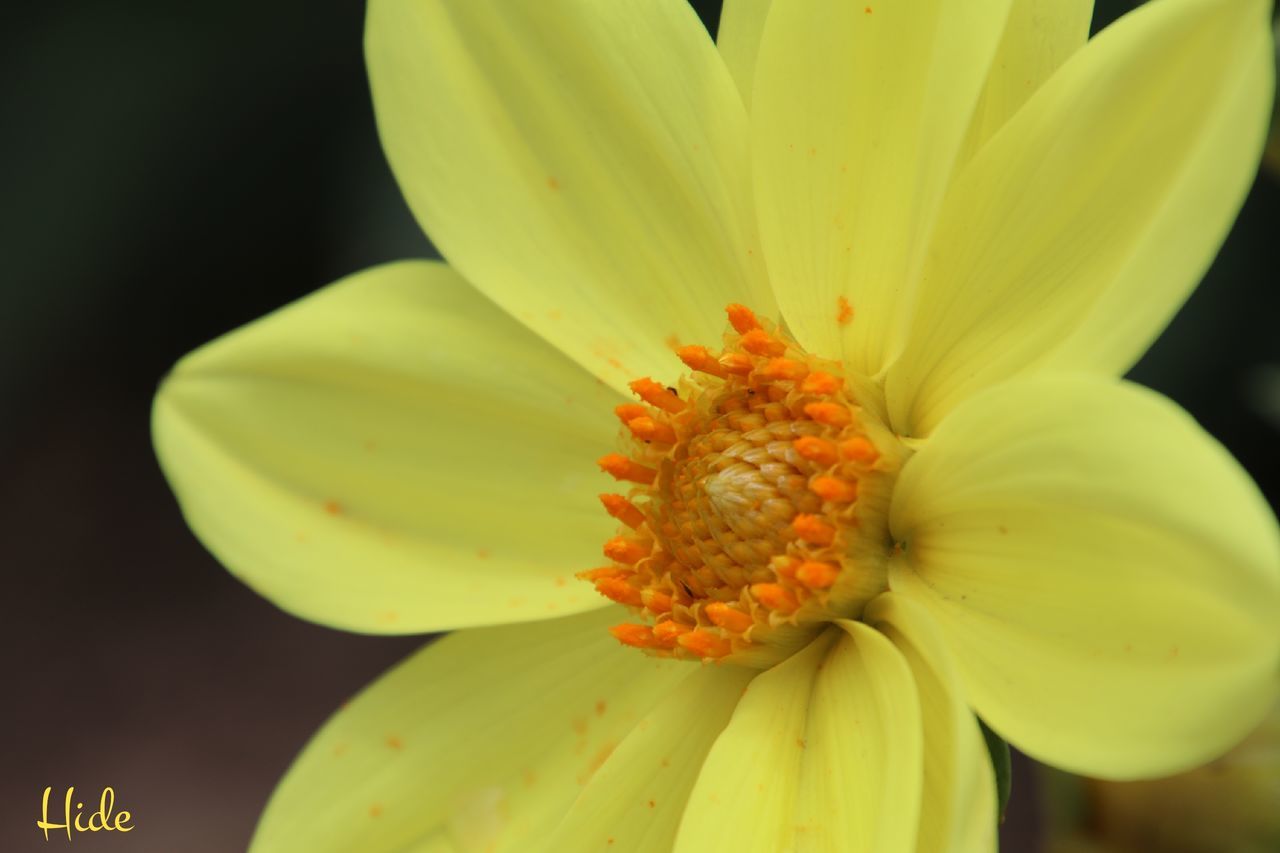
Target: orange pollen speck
(656,395)
(752,487)
(623,510)
(844,311)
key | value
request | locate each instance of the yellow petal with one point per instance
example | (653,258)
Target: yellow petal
(1038,37)
(635,801)
(582,163)
(480,741)
(958,809)
(741,25)
(823,752)
(1105,574)
(1072,237)
(392,454)
(858,113)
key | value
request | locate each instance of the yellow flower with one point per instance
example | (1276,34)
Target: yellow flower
(926,491)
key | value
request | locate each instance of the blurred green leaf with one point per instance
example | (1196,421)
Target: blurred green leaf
(999,752)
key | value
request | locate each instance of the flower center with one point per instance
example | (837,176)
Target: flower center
(758,507)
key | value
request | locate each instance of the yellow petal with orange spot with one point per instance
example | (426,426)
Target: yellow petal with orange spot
(388,454)
(633,804)
(858,113)
(583,163)
(824,751)
(497,731)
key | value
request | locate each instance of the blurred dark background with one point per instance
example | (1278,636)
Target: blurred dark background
(172,171)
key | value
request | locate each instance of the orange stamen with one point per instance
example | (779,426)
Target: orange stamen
(639,636)
(705,644)
(784,566)
(858,449)
(831,414)
(758,342)
(656,601)
(782,368)
(656,395)
(623,468)
(630,411)
(603,572)
(834,489)
(623,510)
(627,551)
(819,382)
(776,597)
(619,590)
(816,449)
(742,318)
(668,632)
(817,575)
(726,617)
(697,358)
(647,429)
(813,530)
(737,363)
(695,596)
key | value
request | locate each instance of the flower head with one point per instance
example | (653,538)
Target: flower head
(906,485)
